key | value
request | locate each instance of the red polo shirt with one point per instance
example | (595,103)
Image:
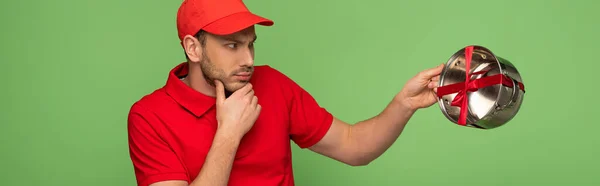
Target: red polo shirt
(171,131)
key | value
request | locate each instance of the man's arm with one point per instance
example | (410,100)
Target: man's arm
(361,143)
(364,141)
(217,166)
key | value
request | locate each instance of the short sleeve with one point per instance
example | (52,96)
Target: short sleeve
(309,122)
(152,158)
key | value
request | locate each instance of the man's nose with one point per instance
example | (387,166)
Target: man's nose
(247,58)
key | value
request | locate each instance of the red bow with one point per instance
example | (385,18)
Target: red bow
(471,86)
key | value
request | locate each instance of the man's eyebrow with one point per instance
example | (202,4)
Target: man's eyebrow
(230,38)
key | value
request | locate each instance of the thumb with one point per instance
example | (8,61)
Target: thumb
(220,92)
(430,73)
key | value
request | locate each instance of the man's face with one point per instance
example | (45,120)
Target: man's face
(229,58)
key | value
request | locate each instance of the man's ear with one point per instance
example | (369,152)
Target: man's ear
(192,48)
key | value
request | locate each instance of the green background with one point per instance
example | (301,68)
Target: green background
(71,69)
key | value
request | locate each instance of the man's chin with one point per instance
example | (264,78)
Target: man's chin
(232,87)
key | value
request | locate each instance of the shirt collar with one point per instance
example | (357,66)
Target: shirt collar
(192,100)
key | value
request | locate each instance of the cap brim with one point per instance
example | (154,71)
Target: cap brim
(236,22)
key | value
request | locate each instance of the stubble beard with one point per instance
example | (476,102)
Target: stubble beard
(212,73)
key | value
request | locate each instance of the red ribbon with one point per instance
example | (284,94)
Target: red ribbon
(472,85)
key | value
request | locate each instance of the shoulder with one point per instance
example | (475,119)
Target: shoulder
(266,74)
(277,82)
(270,82)
(150,102)
(266,71)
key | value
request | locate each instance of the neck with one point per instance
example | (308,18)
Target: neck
(196,81)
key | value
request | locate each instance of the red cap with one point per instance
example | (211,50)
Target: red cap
(220,17)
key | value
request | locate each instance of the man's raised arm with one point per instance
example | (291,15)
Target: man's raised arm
(363,142)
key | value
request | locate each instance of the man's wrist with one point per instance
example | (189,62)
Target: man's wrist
(227,135)
(404,103)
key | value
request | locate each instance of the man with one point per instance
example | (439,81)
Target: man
(220,120)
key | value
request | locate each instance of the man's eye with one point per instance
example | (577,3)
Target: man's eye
(232,45)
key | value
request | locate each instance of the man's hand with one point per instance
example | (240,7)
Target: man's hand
(236,115)
(420,91)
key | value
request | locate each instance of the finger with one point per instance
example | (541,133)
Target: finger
(248,97)
(433,84)
(220,92)
(254,102)
(436,78)
(258,109)
(250,93)
(430,73)
(254,113)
